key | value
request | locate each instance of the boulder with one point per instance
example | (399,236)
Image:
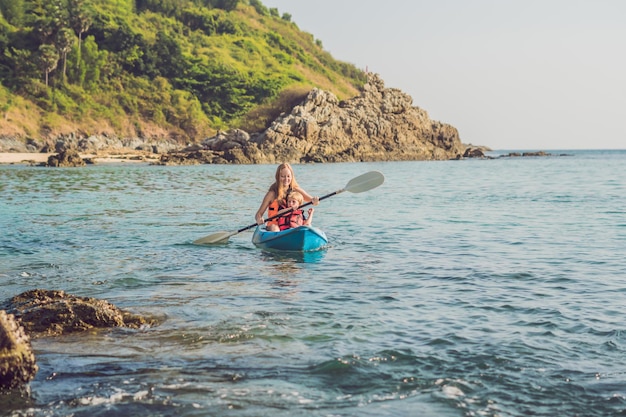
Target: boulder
(473,152)
(52,313)
(65,158)
(17,361)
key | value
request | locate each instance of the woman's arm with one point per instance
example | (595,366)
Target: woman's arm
(269,197)
(307,197)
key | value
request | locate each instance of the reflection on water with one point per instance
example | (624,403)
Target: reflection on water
(285,258)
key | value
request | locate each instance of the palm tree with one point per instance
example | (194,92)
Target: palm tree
(48,59)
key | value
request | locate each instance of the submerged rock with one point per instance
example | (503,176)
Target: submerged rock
(51,313)
(17,361)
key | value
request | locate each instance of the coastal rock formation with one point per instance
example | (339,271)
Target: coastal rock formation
(52,313)
(473,152)
(66,158)
(380,124)
(17,361)
(94,144)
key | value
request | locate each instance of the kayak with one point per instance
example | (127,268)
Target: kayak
(297,239)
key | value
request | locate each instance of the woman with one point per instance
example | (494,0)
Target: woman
(276,196)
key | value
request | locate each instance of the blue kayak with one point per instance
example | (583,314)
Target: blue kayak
(298,239)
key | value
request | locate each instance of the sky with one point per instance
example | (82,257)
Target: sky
(508,74)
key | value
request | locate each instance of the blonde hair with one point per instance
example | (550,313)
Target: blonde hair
(296,196)
(278,188)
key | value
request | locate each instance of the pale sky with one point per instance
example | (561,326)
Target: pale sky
(508,74)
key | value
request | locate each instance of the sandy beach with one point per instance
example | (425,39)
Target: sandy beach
(37,158)
(23,158)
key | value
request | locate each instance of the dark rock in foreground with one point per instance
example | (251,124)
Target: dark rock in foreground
(51,313)
(17,361)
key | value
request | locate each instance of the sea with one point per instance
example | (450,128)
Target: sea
(479,287)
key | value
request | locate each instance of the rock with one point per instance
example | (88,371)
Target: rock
(9,143)
(17,361)
(528,154)
(473,152)
(380,124)
(83,143)
(52,313)
(190,158)
(537,153)
(65,158)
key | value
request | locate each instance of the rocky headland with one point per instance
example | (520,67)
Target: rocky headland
(381,124)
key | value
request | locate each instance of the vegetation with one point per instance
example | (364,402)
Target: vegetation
(181,68)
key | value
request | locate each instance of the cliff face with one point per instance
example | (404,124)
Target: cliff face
(378,125)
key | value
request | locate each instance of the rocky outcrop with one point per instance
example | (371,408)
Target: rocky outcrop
(381,124)
(17,361)
(93,144)
(68,148)
(52,313)
(67,158)
(473,152)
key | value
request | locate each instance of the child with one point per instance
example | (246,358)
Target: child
(295,217)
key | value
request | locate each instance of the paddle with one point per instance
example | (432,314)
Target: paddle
(363,182)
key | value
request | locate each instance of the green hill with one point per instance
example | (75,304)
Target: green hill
(155,68)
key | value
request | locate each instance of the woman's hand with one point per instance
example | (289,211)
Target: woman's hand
(315,200)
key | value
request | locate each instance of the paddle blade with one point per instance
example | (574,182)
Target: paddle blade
(365,182)
(219,237)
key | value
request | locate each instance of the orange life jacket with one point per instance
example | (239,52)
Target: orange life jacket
(290,220)
(272,210)
(276,206)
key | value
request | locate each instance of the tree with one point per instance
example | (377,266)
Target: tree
(227,5)
(13,11)
(46,17)
(80,19)
(48,59)
(169,54)
(94,60)
(64,42)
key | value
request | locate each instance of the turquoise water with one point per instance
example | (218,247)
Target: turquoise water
(458,288)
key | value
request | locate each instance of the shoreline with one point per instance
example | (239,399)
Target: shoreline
(34,158)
